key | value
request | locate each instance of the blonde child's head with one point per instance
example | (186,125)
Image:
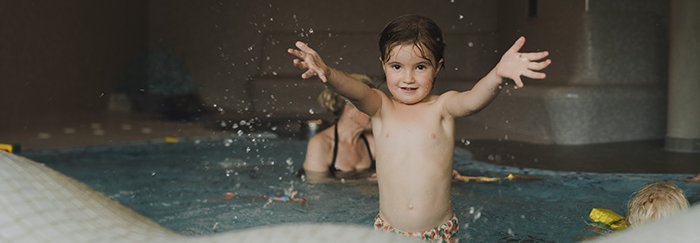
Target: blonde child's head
(416,30)
(333,102)
(654,201)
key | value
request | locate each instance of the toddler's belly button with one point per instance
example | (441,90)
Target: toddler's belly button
(410,206)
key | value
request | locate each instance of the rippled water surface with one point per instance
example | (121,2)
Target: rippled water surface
(199,187)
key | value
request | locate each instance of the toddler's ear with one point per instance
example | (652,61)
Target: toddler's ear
(440,66)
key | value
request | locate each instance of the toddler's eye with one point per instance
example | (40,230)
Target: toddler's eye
(396,66)
(421,67)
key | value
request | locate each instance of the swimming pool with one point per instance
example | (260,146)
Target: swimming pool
(183,186)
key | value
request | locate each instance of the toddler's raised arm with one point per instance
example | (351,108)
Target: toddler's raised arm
(513,64)
(366,99)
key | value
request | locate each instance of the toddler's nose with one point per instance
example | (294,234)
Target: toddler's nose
(408,79)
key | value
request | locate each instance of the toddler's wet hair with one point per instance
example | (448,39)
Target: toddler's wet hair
(418,30)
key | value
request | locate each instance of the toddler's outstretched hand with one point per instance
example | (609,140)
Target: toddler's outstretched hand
(513,64)
(310,61)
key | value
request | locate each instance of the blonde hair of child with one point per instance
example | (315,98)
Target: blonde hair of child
(654,201)
(333,102)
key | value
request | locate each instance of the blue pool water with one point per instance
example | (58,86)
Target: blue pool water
(182,187)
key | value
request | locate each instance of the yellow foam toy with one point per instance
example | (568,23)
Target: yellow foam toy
(171,140)
(7,147)
(609,218)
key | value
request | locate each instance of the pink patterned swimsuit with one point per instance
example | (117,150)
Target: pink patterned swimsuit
(446,232)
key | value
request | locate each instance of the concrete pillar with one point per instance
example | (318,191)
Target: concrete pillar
(683,131)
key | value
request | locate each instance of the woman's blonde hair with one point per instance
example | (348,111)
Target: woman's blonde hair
(654,201)
(334,102)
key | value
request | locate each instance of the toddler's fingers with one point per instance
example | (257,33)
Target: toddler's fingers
(304,48)
(300,64)
(536,55)
(309,73)
(539,65)
(323,77)
(534,75)
(296,53)
(517,45)
(518,82)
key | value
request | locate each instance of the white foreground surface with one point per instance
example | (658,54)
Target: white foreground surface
(38,204)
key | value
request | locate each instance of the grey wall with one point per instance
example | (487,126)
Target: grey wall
(683,133)
(64,58)
(594,41)
(230,43)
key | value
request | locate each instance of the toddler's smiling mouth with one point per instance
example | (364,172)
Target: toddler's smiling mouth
(408,88)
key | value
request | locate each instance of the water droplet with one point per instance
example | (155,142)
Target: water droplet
(311,111)
(470,44)
(69,130)
(311,31)
(461,16)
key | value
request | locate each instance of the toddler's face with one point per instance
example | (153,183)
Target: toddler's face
(409,75)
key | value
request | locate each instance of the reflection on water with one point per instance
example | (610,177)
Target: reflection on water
(202,187)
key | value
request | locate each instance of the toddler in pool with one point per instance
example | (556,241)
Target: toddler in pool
(413,129)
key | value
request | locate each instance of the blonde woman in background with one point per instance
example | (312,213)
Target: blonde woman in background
(655,201)
(346,148)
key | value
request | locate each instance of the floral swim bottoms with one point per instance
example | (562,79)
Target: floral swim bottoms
(446,232)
